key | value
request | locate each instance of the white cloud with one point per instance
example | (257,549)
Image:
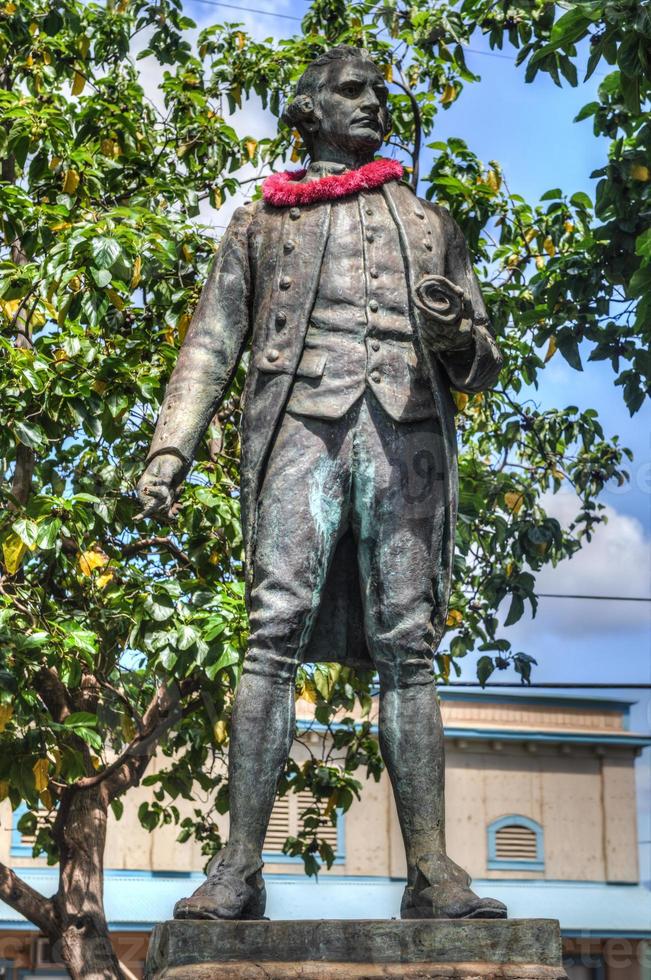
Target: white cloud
(616,562)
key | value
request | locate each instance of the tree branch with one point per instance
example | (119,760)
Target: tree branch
(27,901)
(418,128)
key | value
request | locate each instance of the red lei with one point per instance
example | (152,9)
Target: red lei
(283,189)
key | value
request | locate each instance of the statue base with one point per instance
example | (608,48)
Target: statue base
(356,949)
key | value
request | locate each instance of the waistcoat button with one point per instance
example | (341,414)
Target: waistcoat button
(370,237)
(288,247)
(281,319)
(285,282)
(272,355)
(294,213)
(420,214)
(375,345)
(376,377)
(374,306)
(374,273)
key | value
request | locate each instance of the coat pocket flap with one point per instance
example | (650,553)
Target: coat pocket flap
(312,364)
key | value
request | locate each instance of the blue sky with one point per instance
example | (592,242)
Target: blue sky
(529,129)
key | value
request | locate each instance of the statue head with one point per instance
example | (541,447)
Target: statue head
(340,107)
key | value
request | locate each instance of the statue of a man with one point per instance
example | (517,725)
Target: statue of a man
(362,311)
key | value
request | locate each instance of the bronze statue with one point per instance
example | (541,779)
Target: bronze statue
(362,310)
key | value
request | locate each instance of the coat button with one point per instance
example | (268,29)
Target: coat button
(272,355)
(376,377)
(294,213)
(375,345)
(288,247)
(374,273)
(370,237)
(420,214)
(374,306)
(281,319)
(285,282)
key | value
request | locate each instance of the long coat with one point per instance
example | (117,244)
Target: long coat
(261,289)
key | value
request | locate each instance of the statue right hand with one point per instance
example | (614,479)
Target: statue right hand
(158,486)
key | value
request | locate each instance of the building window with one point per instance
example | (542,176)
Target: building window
(286,822)
(515,843)
(589,967)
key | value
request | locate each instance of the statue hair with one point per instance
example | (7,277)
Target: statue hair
(301,113)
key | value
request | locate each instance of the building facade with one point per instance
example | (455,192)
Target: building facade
(541,810)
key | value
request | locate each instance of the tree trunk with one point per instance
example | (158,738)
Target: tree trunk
(83,941)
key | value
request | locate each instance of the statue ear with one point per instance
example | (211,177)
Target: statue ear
(300,115)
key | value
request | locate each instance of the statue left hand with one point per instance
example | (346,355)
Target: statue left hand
(447,314)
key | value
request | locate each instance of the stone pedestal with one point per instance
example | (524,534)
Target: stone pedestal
(365,949)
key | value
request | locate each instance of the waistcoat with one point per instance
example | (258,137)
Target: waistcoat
(360,333)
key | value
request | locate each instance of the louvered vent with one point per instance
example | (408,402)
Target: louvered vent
(514,843)
(286,821)
(278,830)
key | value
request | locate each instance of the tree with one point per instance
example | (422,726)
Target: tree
(119,641)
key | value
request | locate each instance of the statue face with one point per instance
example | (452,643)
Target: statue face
(352,107)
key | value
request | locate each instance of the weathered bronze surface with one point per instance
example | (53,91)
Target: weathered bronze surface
(362,313)
(521,949)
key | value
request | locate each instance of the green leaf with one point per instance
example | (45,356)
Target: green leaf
(30,435)
(105,252)
(102,277)
(485,667)
(27,531)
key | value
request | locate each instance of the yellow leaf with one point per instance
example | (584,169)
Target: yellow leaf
(4,790)
(220,731)
(551,349)
(9,8)
(128,727)
(13,552)
(10,307)
(116,299)
(54,163)
(33,27)
(78,82)
(216,198)
(46,799)
(40,769)
(70,181)
(187,252)
(241,40)
(169,336)
(530,234)
(444,663)
(136,274)
(449,94)
(99,386)
(182,326)
(514,501)
(540,262)
(89,560)
(493,180)
(388,73)
(454,618)
(549,247)
(60,226)
(251,146)
(512,261)
(122,6)
(6,712)
(309,692)
(568,226)
(84,46)
(107,147)
(105,578)
(297,146)
(47,58)
(508,568)
(460,399)
(640,172)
